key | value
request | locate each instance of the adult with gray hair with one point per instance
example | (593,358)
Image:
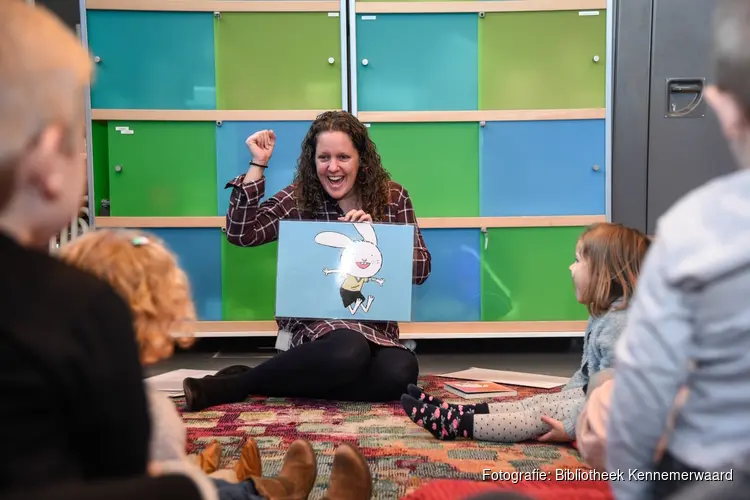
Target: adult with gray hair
(690,322)
(70,376)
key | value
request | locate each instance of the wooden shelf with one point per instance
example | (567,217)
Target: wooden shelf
(479,116)
(424,223)
(328,6)
(417,330)
(481,6)
(214,5)
(205,115)
(364,116)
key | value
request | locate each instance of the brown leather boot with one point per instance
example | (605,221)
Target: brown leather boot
(297,476)
(209,458)
(350,476)
(249,463)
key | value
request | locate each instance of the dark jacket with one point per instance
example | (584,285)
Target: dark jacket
(71,384)
(176,487)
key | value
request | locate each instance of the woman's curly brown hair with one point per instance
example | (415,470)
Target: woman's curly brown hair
(373,181)
(148,277)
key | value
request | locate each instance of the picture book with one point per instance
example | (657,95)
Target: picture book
(505,377)
(479,389)
(343,270)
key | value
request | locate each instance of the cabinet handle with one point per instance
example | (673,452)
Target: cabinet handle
(331,60)
(118,168)
(365,62)
(595,168)
(596,59)
(97,59)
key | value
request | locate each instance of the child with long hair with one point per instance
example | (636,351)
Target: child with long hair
(147,275)
(608,260)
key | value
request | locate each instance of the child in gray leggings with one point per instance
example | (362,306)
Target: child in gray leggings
(608,259)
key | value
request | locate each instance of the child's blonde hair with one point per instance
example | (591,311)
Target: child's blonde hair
(614,254)
(146,274)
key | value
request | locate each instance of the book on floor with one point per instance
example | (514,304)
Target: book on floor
(513,378)
(171,382)
(479,389)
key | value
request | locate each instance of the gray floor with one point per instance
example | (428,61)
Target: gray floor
(560,357)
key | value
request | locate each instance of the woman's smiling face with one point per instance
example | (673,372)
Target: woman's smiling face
(337,164)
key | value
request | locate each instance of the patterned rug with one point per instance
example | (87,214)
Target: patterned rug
(402,456)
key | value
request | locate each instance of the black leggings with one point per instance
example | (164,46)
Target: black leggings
(342,365)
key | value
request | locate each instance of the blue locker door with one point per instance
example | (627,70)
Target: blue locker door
(540,168)
(417,62)
(452,292)
(152,60)
(199,253)
(233,157)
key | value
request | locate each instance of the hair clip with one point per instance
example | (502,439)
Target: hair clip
(139,241)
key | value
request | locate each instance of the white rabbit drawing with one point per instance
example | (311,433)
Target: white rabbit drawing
(360,262)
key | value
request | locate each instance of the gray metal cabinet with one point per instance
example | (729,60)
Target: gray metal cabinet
(666,140)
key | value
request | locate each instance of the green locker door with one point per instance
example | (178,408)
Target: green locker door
(248,282)
(162,169)
(526,274)
(542,60)
(278,60)
(437,163)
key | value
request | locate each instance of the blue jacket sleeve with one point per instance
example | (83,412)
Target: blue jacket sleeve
(652,362)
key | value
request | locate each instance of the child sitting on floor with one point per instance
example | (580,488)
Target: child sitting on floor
(607,262)
(146,274)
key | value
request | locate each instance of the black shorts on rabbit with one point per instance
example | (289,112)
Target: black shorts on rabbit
(350,297)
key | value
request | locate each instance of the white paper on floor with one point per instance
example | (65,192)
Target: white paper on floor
(511,378)
(171,382)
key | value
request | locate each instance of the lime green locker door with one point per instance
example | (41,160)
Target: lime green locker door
(278,60)
(526,274)
(542,60)
(162,169)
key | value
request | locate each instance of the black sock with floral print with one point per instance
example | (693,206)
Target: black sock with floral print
(443,423)
(417,393)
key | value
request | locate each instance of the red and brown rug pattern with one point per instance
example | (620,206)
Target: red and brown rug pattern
(402,456)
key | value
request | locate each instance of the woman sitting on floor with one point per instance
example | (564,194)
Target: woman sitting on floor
(339,178)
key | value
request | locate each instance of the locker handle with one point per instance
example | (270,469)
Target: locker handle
(684,86)
(686,89)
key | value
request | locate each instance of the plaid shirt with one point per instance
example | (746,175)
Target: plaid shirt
(251,225)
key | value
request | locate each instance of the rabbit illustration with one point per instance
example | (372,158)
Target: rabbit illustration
(360,262)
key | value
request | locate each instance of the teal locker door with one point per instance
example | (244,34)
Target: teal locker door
(417,62)
(198,251)
(152,60)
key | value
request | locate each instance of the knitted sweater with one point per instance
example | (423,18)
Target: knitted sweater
(168,443)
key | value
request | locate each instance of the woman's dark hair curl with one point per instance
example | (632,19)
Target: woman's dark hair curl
(373,181)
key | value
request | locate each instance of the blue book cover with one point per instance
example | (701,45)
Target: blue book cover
(344,270)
